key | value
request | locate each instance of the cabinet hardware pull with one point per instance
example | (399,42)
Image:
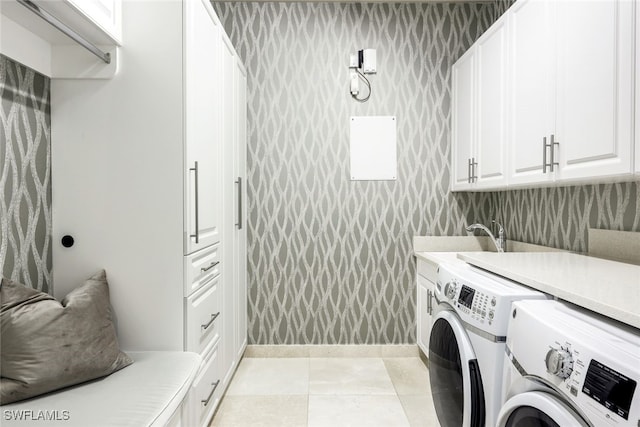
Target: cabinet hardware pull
(215,386)
(428,301)
(474,177)
(213,264)
(552,146)
(239,223)
(195,169)
(55,22)
(213,317)
(544,154)
(469,171)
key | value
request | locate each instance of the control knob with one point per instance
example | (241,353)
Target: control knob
(450,290)
(559,362)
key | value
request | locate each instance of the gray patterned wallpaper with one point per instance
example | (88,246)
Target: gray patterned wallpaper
(561,217)
(25,175)
(330,259)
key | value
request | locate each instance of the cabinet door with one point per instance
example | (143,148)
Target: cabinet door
(531,88)
(202,124)
(424,313)
(594,88)
(463,130)
(491,147)
(227,62)
(240,235)
(637,83)
(104,13)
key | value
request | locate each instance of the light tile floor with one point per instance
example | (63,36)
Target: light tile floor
(328,392)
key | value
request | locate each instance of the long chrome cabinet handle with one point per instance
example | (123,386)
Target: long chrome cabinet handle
(469,171)
(213,317)
(215,386)
(239,182)
(213,264)
(474,164)
(195,169)
(544,154)
(552,145)
(428,301)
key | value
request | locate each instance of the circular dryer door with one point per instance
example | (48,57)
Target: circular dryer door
(538,409)
(454,374)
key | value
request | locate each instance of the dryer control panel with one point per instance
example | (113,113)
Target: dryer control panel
(593,361)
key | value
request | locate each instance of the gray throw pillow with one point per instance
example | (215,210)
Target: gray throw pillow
(47,345)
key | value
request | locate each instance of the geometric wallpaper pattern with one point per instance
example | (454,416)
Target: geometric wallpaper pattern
(330,259)
(561,217)
(25,175)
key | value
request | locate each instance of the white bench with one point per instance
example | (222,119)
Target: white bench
(150,392)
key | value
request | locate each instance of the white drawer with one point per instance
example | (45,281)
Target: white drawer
(200,267)
(203,316)
(207,387)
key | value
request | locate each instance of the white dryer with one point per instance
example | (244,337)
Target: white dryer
(467,343)
(569,367)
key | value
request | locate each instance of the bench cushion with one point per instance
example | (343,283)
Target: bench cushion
(146,393)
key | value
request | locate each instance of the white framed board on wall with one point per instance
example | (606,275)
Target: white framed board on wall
(373,148)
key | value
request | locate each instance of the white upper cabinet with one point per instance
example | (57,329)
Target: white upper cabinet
(594,101)
(569,72)
(531,90)
(202,127)
(491,142)
(31,40)
(463,117)
(479,147)
(104,14)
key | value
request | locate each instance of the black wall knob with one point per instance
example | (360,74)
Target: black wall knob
(67,241)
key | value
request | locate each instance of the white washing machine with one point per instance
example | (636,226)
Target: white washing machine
(467,343)
(569,367)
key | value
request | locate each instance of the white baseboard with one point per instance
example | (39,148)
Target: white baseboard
(383,350)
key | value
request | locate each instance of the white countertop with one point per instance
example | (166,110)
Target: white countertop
(438,257)
(607,287)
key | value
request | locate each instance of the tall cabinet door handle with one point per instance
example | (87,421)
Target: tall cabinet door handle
(195,169)
(469,174)
(239,183)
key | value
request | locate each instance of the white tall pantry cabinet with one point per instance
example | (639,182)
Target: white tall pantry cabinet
(140,183)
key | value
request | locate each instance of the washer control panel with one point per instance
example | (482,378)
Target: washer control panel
(479,305)
(475,303)
(480,298)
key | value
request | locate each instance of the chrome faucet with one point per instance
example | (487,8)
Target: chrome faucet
(500,242)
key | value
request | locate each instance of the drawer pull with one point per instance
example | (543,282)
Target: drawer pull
(215,386)
(213,264)
(213,317)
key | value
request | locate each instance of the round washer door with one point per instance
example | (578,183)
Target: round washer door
(538,409)
(454,374)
